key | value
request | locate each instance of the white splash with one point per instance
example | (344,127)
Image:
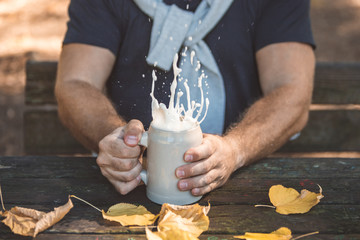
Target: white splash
(192,54)
(184,52)
(198,66)
(175,117)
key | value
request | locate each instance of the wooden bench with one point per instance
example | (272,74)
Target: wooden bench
(334,124)
(44,134)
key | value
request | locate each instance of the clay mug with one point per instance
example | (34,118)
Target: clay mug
(165,152)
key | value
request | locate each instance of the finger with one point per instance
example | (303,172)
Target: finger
(132,132)
(205,189)
(204,150)
(197,182)
(120,150)
(114,146)
(124,164)
(124,176)
(196,168)
(124,159)
(125,187)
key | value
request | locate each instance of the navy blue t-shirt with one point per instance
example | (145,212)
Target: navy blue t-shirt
(248,25)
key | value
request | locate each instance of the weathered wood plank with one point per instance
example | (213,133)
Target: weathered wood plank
(330,131)
(40,82)
(235,191)
(6,235)
(325,219)
(48,167)
(269,168)
(337,83)
(307,168)
(45,135)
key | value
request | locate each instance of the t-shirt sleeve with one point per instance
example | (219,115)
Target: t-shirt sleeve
(93,22)
(284,21)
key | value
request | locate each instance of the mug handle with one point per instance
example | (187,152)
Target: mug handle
(144,139)
(144,142)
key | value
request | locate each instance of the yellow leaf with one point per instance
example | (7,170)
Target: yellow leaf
(289,201)
(180,222)
(280,234)
(29,222)
(191,218)
(170,235)
(129,214)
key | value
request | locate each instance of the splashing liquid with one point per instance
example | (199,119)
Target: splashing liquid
(176,117)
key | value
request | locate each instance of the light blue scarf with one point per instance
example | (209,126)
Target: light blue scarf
(174,28)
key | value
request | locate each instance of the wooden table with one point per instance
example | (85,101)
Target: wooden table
(43,183)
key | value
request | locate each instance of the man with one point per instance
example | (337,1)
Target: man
(262,48)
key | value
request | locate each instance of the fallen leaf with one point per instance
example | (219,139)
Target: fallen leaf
(191,218)
(280,234)
(29,222)
(129,214)
(181,222)
(170,235)
(289,201)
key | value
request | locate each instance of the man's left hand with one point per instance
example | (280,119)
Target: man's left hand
(210,165)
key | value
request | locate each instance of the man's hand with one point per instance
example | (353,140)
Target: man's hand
(210,165)
(119,155)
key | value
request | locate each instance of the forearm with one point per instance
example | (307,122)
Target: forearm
(286,72)
(268,124)
(86,112)
(83,108)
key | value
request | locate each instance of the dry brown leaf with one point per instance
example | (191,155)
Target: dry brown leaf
(29,222)
(170,235)
(280,234)
(181,222)
(289,201)
(191,218)
(129,214)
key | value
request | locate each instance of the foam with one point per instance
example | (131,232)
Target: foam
(176,117)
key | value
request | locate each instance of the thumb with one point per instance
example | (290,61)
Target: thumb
(132,132)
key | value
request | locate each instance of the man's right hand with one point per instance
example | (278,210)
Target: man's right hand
(119,154)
